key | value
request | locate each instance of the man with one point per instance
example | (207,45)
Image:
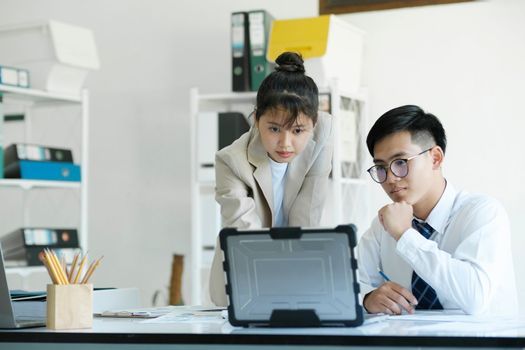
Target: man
(434,247)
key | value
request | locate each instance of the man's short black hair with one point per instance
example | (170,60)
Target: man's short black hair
(425,128)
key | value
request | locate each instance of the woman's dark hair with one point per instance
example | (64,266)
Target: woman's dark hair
(425,129)
(289,89)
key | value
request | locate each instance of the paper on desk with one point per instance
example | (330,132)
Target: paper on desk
(445,316)
(191,314)
(148,312)
(468,328)
(375,318)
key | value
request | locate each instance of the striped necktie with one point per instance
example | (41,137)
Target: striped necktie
(424,293)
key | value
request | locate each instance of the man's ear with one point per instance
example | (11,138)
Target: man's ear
(438,157)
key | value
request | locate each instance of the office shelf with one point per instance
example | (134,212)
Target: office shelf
(249,96)
(29,184)
(37,96)
(231,97)
(30,100)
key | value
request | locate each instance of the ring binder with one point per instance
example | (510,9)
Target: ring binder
(240,42)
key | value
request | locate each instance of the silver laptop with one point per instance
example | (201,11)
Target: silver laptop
(8,318)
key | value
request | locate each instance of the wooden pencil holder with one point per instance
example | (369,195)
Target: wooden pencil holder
(69,306)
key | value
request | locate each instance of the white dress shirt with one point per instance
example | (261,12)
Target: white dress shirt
(468,261)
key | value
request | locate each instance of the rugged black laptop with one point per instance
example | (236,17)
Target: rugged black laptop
(8,318)
(292,277)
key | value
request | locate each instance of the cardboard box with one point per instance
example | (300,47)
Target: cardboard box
(331,47)
(57,55)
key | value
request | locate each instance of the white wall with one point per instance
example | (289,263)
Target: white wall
(463,62)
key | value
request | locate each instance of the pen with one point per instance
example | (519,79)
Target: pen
(385,277)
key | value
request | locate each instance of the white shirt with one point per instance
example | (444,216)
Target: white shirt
(278,184)
(468,261)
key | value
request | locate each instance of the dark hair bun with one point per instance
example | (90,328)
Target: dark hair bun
(290,62)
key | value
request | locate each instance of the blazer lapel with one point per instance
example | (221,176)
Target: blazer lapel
(296,173)
(258,157)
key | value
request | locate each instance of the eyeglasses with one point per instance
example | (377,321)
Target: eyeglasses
(398,167)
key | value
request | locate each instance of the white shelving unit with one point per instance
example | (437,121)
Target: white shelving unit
(31,99)
(338,207)
(349,199)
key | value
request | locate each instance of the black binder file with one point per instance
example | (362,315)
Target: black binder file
(23,151)
(23,245)
(259,22)
(231,126)
(240,42)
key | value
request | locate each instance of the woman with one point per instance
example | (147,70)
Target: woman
(277,173)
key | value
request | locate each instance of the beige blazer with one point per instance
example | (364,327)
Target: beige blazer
(244,188)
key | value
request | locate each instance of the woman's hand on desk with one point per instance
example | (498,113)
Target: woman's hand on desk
(391,298)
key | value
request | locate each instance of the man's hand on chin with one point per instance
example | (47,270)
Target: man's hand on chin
(396,218)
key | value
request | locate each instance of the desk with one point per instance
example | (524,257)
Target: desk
(134,334)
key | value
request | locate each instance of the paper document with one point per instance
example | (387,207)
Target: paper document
(192,314)
(468,328)
(442,316)
(150,312)
(374,318)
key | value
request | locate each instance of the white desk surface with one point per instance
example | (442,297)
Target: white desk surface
(394,331)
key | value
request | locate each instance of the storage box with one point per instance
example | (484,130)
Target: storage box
(57,55)
(331,47)
(69,306)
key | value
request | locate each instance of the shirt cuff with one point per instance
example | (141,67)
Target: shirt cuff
(409,243)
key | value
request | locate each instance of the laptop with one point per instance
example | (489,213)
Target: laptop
(292,277)
(8,318)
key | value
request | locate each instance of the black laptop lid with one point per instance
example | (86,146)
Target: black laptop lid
(292,276)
